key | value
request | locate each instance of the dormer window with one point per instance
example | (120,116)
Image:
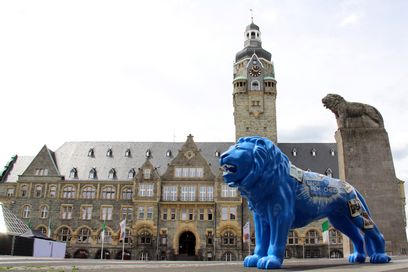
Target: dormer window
(128,154)
(109,152)
(168,153)
(217,153)
(294,152)
(73,174)
(148,153)
(332,153)
(91,152)
(329,172)
(92,174)
(147,173)
(131,173)
(112,174)
(314,152)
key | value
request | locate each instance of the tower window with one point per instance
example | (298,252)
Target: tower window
(255,85)
(252,35)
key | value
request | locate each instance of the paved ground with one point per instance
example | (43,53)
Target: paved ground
(11,263)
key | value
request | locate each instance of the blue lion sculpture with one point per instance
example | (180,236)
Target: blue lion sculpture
(283,197)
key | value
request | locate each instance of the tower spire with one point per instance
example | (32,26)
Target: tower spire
(252,15)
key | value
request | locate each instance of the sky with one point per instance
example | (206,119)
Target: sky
(160,70)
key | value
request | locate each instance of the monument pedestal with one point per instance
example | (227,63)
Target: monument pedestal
(365,161)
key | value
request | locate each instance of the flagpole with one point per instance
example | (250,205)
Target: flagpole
(103,238)
(123,249)
(249,240)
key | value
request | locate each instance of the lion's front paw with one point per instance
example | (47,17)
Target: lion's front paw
(380,258)
(269,262)
(251,260)
(357,258)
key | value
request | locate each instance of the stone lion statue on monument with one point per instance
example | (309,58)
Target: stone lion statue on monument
(352,114)
(283,197)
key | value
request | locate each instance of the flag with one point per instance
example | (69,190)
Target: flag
(246,232)
(122,225)
(325,230)
(103,232)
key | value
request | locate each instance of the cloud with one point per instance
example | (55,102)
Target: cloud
(316,133)
(350,20)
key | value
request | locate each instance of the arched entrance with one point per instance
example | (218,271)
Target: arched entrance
(187,243)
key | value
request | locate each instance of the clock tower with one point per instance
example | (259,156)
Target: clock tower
(254,92)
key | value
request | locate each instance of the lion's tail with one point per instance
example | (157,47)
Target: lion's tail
(361,198)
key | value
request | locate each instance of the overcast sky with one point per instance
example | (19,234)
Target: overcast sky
(159,70)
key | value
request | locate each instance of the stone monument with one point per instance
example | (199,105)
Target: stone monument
(365,161)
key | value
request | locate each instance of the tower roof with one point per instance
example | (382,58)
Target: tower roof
(252,26)
(253,44)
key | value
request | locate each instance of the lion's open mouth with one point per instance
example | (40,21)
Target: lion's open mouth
(229,168)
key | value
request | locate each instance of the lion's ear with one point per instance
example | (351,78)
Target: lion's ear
(260,142)
(241,140)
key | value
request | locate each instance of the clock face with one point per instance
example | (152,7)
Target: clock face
(255,71)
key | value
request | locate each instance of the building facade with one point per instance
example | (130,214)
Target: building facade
(172,195)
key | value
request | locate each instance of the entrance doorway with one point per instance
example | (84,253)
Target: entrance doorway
(187,243)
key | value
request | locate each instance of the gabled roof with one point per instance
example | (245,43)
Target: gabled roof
(10,223)
(44,160)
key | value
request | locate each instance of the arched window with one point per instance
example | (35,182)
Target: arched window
(293,238)
(312,237)
(112,174)
(24,191)
(44,211)
(73,174)
(127,193)
(64,234)
(43,230)
(335,237)
(228,238)
(38,191)
(26,211)
(68,191)
(255,86)
(108,192)
(108,236)
(92,174)
(84,235)
(88,192)
(145,238)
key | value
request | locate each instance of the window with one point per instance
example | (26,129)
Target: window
(217,153)
(24,191)
(147,173)
(168,153)
(128,236)
(329,172)
(191,172)
(201,214)
(146,189)
(84,235)
(109,152)
(293,238)
(88,192)
(131,173)
(164,214)
(112,174)
(332,153)
(206,193)
(210,237)
(227,191)
(169,193)
(107,236)
(145,238)
(106,213)
(312,237)
(188,193)
(41,172)
(64,234)
(73,174)
(228,238)
(313,152)
(86,212)
(173,214)
(148,153)
(144,256)
(183,214)
(92,174)
(141,213)
(228,257)
(68,191)
(255,85)
(26,211)
(149,214)
(53,191)
(38,191)
(43,230)
(10,192)
(228,213)
(91,152)
(209,214)
(294,152)
(108,192)
(66,212)
(127,193)
(335,237)
(127,213)
(44,212)
(190,214)
(128,154)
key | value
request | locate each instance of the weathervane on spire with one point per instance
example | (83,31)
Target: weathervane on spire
(252,15)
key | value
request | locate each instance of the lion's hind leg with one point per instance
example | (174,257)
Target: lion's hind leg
(348,227)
